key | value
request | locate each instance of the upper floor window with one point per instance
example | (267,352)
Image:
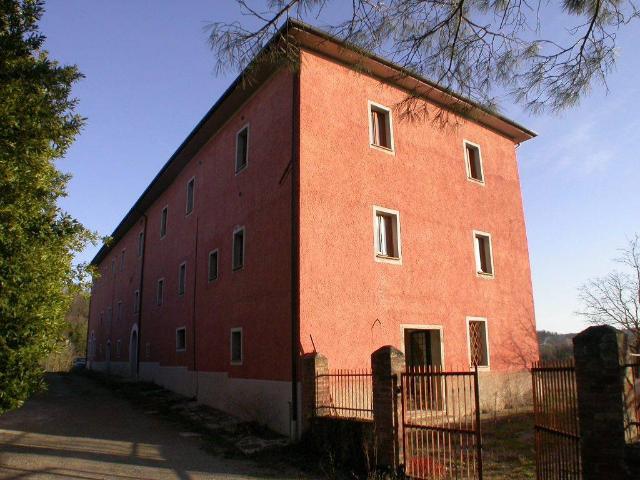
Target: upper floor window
(242,148)
(483,253)
(380,126)
(238,249)
(140,243)
(182,278)
(213,265)
(163,221)
(386,234)
(473,161)
(190,188)
(478,342)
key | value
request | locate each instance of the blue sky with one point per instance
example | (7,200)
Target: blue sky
(150,78)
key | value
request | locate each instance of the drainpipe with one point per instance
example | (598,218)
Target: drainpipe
(193,312)
(140,289)
(295,251)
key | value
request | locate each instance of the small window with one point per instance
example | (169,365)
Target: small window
(478,343)
(387,234)
(242,149)
(238,249)
(236,346)
(119,314)
(474,162)
(190,187)
(182,278)
(483,253)
(181,339)
(163,221)
(118,348)
(213,265)
(380,126)
(140,244)
(136,301)
(160,291)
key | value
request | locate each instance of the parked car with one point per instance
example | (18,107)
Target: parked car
(79,363)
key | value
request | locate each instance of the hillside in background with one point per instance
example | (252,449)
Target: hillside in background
(555,346)
(75,343)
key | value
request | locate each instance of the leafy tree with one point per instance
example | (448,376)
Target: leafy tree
(546,55)
(615,298)
(38,279)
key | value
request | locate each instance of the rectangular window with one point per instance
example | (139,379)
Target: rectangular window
(140,244)
(238,249)
(381,133)
(182,278)
(213,265)
(474,162)
(160,291)
(483,253)
(136,301)
(181,339)
(236,346)
(242,148)
(119,314)
(190,187)
(387,234)
(478,342)
(122,261)
(163,221)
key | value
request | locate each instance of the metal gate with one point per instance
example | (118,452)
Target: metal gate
(441,435)
(555,407)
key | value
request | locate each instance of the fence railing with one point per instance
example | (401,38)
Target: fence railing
(345,394)
(555,407)
(631,373)
(441,424)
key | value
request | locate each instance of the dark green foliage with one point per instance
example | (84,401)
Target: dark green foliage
(38,123)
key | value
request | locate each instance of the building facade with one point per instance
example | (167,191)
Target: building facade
(304,214)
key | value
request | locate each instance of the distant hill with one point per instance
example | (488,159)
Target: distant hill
(555,346)
(75,344)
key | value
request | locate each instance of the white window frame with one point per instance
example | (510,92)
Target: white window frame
(486,339)
(159,292)
(209,279)
(184,283)
(476,255)
(233,248)
(231,332)
(467,162)
(235,160)
(184,349)
(188,212)
(136,301)
(371,105)
(398,236)
(166,221)
(411,326)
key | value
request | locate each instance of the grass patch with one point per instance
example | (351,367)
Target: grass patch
(509,447)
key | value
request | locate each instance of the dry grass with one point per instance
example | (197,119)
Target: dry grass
(509,448)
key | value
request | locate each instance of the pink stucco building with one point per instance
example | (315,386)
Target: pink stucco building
(305,213)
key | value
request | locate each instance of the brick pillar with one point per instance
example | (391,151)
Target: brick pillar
(386,365)
(313,364)
(599,353)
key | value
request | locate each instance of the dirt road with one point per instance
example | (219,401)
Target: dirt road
(80,430)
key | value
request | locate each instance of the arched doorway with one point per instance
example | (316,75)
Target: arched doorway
(133,351)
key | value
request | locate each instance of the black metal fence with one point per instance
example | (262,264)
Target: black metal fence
(555,407)
(441,424)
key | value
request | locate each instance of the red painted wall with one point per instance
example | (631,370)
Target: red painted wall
(256,298)
(351,305)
